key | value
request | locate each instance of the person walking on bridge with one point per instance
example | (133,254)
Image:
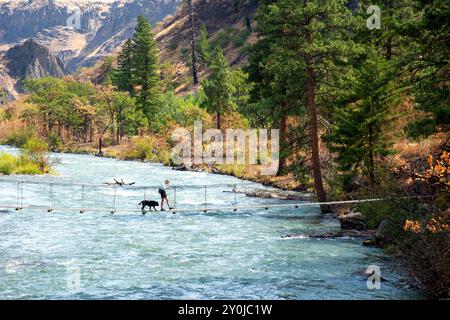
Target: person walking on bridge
(163,192)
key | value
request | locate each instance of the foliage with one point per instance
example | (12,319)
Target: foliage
(361,134)
(8,163)
(32,160)
(225,90)
(146,148)
(35,151)
(123,75)
(204,47)
(145,68)
(19,136)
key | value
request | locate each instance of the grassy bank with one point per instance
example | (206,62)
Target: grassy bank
(158,149)
(32,159)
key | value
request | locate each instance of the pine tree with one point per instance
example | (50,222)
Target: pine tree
(315,35)
(361,133)
(219,87)
(204,47)
(275,96)
(145,68)
(429,62)
(123,75)
(189,5)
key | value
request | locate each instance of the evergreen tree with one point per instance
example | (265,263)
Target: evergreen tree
(145,68)
(189,5)
(315,34)
(123,75)
(361,133)
(276,94)
(219,87)
(204,47)
(429,61)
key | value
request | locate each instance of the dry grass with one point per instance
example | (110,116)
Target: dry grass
(407,150)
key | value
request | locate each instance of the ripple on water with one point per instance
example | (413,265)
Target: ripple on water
(217,255)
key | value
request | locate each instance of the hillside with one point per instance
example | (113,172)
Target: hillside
(29,60)
(103,25)
(226,24)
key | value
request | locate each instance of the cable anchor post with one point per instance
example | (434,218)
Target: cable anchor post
(50,196)
(235,197)
(114,201)
(205,209)
(82,210)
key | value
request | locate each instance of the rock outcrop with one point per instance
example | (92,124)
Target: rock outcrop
(29,60)
(79,32)
(32,60)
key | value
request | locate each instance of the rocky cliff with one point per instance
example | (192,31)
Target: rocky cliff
(79,32)
(24,61)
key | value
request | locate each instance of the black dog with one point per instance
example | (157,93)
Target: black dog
(148,203)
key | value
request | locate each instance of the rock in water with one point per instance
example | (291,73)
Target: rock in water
(352,221)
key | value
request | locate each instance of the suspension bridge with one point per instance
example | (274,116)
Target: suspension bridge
(80,191)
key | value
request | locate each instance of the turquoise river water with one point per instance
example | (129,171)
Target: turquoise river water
(188,255)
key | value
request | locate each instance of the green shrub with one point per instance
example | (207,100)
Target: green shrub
(24,164)
(165,157)
(54,142)
(173,45)
(240,38)
(236,170)
(19,137)
(28,168)
(141,148)
(223,39)
(421,128)
(35,151)
(7,163)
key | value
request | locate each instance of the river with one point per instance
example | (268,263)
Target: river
(188,255)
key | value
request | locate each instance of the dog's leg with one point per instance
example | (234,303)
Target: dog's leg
(143,209)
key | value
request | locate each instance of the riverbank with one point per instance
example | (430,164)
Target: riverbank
(32,160)
(158,150)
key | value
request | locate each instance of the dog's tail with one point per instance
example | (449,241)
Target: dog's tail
(140,203)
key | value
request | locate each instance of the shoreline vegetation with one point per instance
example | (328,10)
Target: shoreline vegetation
(362,114)
(32,159)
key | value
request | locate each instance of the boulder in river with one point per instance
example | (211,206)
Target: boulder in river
(334,234)
(350,220)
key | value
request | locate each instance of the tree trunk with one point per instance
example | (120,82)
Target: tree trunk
(113,128)
(193,44)
(283,127)
(218,121)
(100,140)
(248,18)
(389,40)
(371,157)
(100,152)
(389,49)
(119,127)
(85,129)
(311,104)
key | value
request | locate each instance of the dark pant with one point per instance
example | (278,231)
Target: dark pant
(163,193)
